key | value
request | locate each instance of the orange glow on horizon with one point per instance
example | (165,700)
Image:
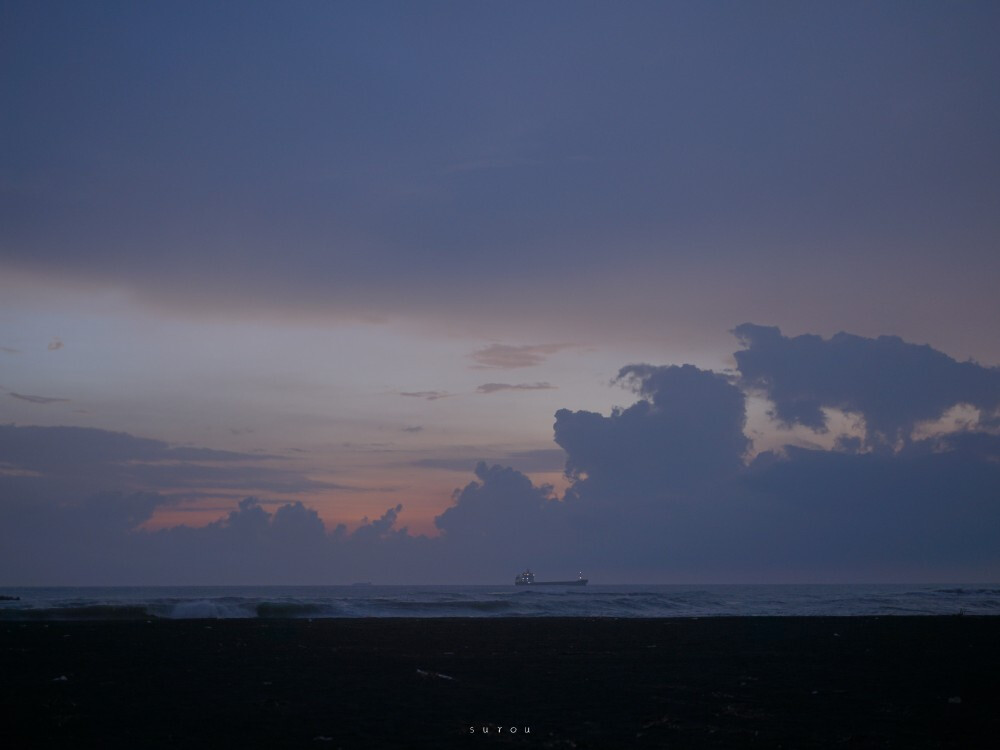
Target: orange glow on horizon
(369,498)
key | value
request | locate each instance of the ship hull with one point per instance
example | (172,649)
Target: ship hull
(578,582)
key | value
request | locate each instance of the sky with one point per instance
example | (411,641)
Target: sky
(430,292)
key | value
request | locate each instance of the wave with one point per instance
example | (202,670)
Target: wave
(444,606)
(80,612)
(492,601)
(200,609)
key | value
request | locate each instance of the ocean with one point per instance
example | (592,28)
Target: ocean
(198,602)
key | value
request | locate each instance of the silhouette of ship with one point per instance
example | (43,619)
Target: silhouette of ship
(527,578)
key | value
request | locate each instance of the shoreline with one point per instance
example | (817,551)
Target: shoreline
(897,681)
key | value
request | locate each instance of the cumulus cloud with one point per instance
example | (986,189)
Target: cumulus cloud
(101,539)
(502,518)
(382,526)
(505,356)
(686,427)
(659,490)
(496,387)
(37,399)
(863,514)
(893,385)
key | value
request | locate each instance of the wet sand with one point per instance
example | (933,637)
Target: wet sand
(862,682)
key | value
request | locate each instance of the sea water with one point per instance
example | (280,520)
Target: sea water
(197,602)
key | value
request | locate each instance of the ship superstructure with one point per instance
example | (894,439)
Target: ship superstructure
(527,578)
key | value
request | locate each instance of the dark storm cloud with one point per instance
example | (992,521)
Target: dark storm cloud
(892,384)
(504,356)
(927,512)
(37,399)
(496,387)
(502,516)
(662,482)
(687,428)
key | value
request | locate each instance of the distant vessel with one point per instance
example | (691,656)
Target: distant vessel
(527,578)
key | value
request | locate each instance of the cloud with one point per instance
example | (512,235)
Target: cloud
(659,490)
(502,515)
(54,447)
(893,385)
(402,241)
(495,387)
(428,395)
(982,445)
(101,539)
(37,399)
(9,350)
(53,535)
(55,344)
(505,356)
(58,464)
(686,428)
(381,527)
(866,515)
(531,461)
(412,429)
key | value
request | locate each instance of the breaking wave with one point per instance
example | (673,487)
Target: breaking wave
(191,603)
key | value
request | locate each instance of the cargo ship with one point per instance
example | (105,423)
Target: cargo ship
(527,578)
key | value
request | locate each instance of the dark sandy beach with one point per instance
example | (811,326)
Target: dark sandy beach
(906,682)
